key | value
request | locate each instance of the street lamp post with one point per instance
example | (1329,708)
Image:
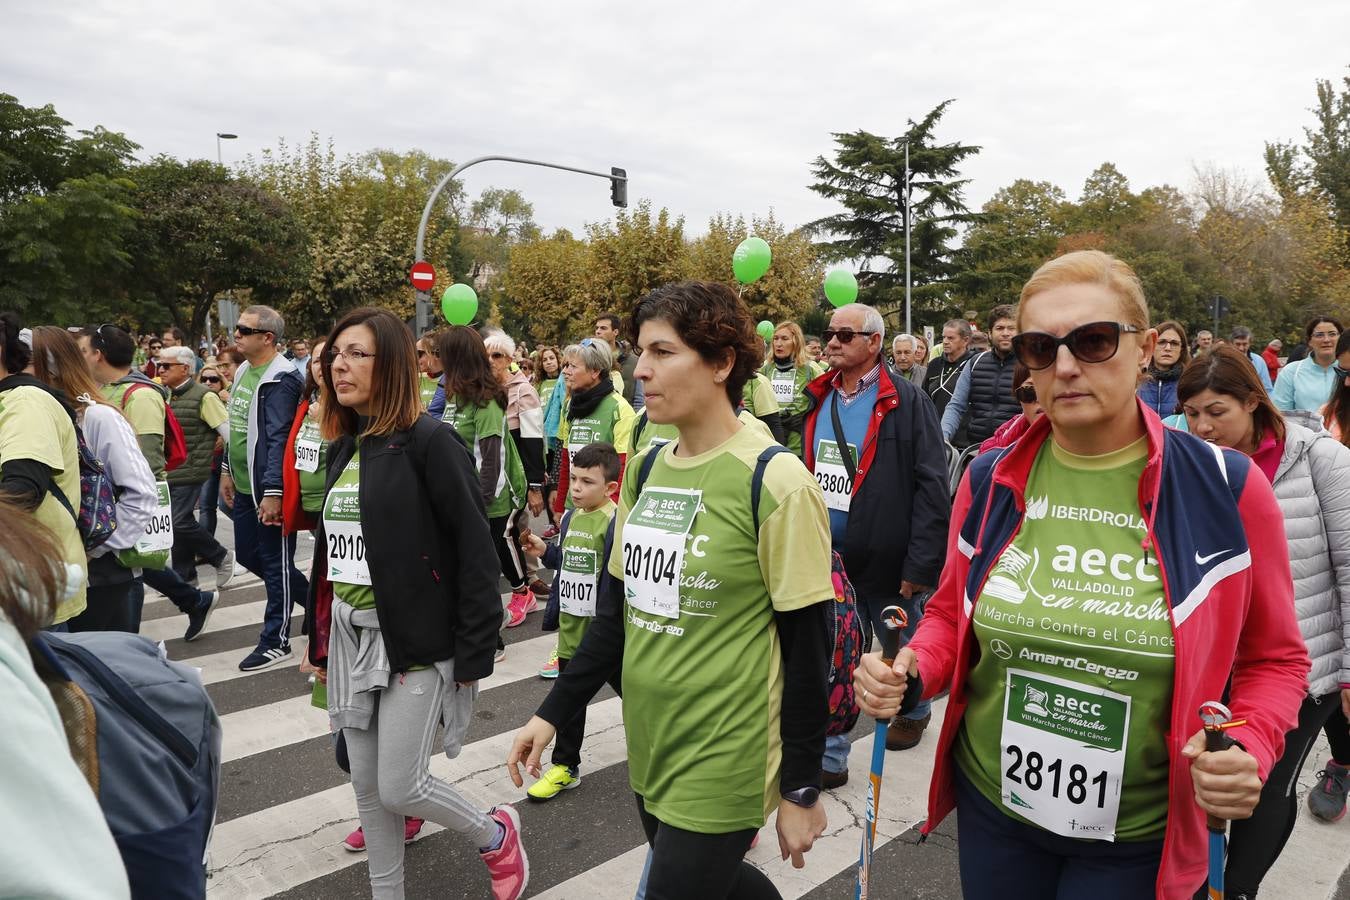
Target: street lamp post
(618,179)
(908,197)
(222,136)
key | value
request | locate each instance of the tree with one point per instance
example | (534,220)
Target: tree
(632,255)
(1021,226)
(203,232)
(65,216)
(867,177)
(789,290)
(547,291)
(1322,164)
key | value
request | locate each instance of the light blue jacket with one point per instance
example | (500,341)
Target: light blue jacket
(1304,385)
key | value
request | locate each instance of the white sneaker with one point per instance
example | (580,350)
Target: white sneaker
(225,571)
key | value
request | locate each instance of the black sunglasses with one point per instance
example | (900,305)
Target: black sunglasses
(845,335)
(1025,393)
(1340,373)
(210,379)
(1095,342)
(245,331)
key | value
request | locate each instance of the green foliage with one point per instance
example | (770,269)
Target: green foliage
(65,216)
(867,177)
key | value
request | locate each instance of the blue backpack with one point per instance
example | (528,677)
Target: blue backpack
(145,735)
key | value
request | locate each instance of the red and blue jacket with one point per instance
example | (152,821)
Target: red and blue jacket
(1219,538)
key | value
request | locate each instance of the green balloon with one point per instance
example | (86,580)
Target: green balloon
(765,330)
(459,303)
(841,287)
(751,260)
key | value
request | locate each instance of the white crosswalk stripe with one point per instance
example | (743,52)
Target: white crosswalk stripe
(293,844)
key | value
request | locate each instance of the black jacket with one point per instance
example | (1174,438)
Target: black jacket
(428,546)
(897,520)
(991,401)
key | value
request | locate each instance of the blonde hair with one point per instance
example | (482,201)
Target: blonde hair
(798,342)
(1091,267)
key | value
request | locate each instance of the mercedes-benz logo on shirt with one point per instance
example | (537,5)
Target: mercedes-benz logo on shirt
(1001,648)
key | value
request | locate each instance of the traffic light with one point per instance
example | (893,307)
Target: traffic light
(618,187)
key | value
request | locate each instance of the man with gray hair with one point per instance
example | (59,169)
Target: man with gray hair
(263,401)
(872,439)
(910,368)
(945,371)
(202,417)
(1241,339)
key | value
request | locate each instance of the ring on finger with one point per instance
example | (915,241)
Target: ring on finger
(864,695)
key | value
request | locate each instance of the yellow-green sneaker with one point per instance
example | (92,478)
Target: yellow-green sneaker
(553,782)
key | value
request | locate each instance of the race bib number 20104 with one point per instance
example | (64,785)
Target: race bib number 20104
(653,548)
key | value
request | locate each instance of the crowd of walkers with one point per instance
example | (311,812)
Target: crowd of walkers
(1092,525)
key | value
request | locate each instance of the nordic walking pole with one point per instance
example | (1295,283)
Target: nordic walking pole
(893,619)
(1216,717)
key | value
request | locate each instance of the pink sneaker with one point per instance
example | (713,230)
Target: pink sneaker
(521,605)
(356,841)
(508,866)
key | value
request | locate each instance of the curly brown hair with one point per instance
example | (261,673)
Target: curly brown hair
(712,319)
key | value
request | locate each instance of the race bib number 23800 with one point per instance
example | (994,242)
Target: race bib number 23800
(653,549)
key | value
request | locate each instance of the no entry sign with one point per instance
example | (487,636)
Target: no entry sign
(422,275)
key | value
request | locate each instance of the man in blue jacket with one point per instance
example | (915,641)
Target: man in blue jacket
(873,441)
(265,395)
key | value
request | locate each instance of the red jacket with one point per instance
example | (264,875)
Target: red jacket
(1272,363)
(1231,611)
(293,515)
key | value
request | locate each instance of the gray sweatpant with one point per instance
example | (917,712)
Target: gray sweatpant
(389,773)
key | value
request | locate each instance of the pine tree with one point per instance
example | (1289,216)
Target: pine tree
(867,177)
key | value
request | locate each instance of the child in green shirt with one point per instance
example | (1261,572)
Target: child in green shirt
(577,558)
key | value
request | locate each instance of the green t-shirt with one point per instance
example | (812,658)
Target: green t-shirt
(342,530)
(610,422)
(476,422)
(647,433)
(546,388)
(1076,645)
(34,426)
(426,387)
(579,576)
(212,410)
(703,677)
(144,409)
(789,389)
(241,399)
(759,396)
(311,463)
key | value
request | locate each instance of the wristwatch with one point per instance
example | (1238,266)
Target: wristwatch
(805,797)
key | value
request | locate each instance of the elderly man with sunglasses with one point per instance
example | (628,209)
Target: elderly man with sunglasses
(262,407)
(873,441)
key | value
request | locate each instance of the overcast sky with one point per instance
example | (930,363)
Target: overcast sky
(711,106)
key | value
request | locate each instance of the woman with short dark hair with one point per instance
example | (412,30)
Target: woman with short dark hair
(414,614)
(715,606)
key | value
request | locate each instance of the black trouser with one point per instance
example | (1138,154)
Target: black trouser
(508,554)
(687,865)
(1255,843)
(110,607)
(190,540)
(567,749)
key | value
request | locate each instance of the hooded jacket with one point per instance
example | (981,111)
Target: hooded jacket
(1226,581)
(270,417)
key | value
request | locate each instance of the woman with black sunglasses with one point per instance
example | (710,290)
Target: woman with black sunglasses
(1085,614)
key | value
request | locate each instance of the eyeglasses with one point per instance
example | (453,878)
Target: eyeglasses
(435,353)
(351,354)
(496,354)
(1025,393)
(210,379)
(245,331)
(1168,342)
(1323,335)
(845,335)
(1095,342)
